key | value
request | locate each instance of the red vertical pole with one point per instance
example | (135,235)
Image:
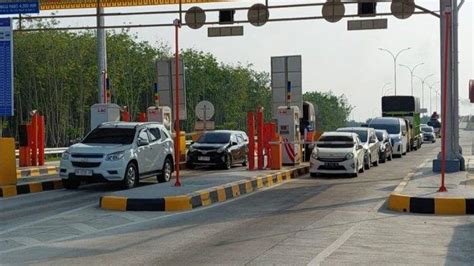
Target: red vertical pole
(34,140)
(41,140)
(260,138)
(251,132)
(30,143)
(442,188)
(177,25)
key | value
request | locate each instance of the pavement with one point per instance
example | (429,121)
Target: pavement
(418,191)
(328,220)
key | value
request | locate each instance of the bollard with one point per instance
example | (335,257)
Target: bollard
(260,137)
(7,162)
(276,153)
(41,140)
(251,134)
(182,145)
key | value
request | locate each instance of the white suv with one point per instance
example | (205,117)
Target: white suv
(121,152)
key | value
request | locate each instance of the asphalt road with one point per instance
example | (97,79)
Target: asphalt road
(327,220)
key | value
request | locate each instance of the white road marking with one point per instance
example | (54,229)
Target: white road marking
(52,242)
(84,228)
(333,247)
(27,241)
(46,219)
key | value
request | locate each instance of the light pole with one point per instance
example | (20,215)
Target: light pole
(431,88)
(387,92)
(412,70)
(383,87)
(436,102)
(395,63)
(423,80)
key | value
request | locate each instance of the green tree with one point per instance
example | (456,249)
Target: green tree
(332,111)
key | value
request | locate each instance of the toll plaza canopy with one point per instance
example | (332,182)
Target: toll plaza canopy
(71,4)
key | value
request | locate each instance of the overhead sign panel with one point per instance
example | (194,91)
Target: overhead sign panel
(71,4)
(367,24)
(6,67)
(225,31)
(286,70)
(19,6)
(167,86)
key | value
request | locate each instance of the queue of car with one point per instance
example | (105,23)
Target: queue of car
(345,150)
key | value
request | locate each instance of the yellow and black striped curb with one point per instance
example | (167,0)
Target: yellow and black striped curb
(13,190)
(436,205)
(200,198)
(37,171)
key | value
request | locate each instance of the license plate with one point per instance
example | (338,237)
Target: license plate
(83,172)
(332,165)
(204,158)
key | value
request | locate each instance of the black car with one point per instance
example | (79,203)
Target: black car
(222,148)
(386,150)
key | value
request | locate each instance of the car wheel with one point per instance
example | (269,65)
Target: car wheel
(228,162)
(390,157)
(131,176)
(356,174)
(245,162)
(376,162)
(368,163)
(166,172)
(71,183)
(190,165)
(361,169)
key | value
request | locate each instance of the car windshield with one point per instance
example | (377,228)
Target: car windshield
(362,134)
(427,129)
(214,137)
(335,142)
(110,136)
(379,135)
(391,128)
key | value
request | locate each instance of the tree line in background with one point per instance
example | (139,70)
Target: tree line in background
(55,73)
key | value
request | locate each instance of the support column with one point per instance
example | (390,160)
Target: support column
(454,159)
(101,54)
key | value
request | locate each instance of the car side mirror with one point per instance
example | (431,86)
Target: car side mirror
(360,147)
(143,142)
(404,133)
(233,143)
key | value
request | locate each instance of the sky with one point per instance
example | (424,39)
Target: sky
(334,59)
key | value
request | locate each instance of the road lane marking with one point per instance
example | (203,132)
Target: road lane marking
(139,221)
(46,219)
(333,247)
(27,241)
(84,228)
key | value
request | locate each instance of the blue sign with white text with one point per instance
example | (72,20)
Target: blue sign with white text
(6,67)
(19,7)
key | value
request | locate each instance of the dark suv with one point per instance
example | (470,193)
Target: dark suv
(222,148)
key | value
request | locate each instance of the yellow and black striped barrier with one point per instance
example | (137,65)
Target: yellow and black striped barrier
(200,198)
(14,190)
(37,171)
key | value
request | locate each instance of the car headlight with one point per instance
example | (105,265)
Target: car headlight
(396,139)
(314,155)
(191,149)
(115,156)
(221,149)
(349,156)
(65,155)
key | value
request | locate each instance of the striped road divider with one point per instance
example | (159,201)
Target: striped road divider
(36,171)
(10,191)
(435,205)
(200,198)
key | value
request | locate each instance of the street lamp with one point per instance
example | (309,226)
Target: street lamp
(383,87)
(387,92)
(436,102)
(412,70)
(423,80)
(431,88)
(395,63)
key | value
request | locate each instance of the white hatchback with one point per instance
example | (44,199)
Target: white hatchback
(120,152)
(337,153)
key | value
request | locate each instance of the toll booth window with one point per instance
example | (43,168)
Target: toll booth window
(154,134)
(110,136)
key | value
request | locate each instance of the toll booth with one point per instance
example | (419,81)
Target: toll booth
(288,119)
(161,114)
(104,112)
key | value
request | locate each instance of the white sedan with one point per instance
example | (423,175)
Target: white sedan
(337,153)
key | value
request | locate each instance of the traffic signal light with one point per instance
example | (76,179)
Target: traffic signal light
(226,16)
(367,9)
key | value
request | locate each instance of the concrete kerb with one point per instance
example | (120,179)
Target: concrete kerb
(203,197)
(33,187)
(428,205)
(36,171)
